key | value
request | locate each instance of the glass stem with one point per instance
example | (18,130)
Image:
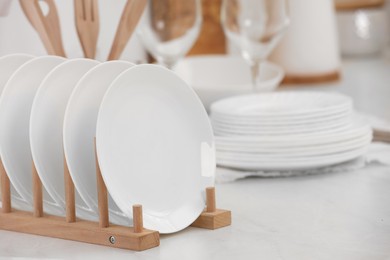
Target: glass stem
(255,69)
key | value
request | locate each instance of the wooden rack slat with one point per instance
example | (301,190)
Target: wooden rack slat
(102,194)
(37,193)
(137,219)
(5,190)
(210,199)
(70,200)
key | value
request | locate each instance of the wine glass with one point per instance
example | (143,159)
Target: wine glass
(169,28)
(255,26)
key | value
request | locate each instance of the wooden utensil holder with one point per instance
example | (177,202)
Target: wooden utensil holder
(134,238)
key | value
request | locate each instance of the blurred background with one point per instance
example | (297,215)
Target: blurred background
(339,45)
(362,27)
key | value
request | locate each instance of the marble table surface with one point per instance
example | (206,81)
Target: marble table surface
(331,216)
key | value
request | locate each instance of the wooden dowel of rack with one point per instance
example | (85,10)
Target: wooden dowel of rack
(5,190)
(210,199)
(211,217)
(69,195)
(102,195)
(138,223)
(37,193)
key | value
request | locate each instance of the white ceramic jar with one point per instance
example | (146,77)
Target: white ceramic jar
(309,50)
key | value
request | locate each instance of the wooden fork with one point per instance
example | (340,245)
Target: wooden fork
(87,25)
(48,27)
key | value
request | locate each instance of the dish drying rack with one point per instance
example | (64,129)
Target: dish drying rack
(103,233)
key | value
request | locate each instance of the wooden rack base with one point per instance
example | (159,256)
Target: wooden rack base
(101,233)
(82,231)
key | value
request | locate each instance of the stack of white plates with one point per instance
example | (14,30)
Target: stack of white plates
(287,131)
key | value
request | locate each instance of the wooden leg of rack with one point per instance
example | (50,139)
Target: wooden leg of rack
(69,195)
(5,190)
(213,218)
(211,205)
(138,223)
(102,195)
(37,193)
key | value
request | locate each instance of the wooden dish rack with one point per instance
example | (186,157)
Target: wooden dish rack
(135,238)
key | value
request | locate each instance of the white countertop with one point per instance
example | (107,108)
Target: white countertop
(367,81)
(330,216)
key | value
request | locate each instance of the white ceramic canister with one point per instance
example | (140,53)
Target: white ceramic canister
(309,50)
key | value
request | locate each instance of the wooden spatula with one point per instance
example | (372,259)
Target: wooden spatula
(48,27)
(129,20)
(87,25)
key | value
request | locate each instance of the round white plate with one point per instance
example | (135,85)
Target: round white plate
(80,131)
(307,132)
(8,65)
(155,147)
(15,109)
(234,130)
(251,155)
(293,164)
(298,150)
(283,104)
(358,127)
(46,126)
(276,121)
(279,118)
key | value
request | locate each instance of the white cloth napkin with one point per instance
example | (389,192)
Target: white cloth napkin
(380,126)
(378,153)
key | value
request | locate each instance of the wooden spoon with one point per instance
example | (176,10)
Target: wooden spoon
(48,27)
(129,20)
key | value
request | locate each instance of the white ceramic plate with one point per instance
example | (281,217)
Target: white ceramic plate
(80,131)
(293,164)
(46,126)
(280,118)
(254,155)
(357,128)
(316,128)
(307,132)
(241,121)
(347,144)
(283,104)
(155,147)
(15,109)
(8,65)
